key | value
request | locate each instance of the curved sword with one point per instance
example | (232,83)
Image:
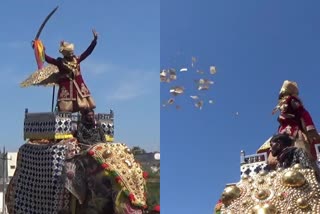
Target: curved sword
(37,37)
(44,22)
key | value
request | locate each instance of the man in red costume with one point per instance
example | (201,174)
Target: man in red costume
(73,94)
(294,119)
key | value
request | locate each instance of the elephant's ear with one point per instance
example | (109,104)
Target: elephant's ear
(78,182)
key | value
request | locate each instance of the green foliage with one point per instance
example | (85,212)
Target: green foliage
(137,150)
(153,194)
(153,179)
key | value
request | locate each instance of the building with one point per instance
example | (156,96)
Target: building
(149,161)
(8,164)
(9,160)
(11,164)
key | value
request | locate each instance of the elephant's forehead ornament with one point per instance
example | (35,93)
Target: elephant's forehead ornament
(119,162)
(292,190)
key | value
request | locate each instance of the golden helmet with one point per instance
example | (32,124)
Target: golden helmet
(289,88)
(66,48)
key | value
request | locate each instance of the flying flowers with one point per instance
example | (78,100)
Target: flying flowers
(199,92)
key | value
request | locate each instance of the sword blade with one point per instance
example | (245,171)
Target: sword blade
(45,21)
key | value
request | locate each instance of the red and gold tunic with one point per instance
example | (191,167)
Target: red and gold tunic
(73,94)
(294,118)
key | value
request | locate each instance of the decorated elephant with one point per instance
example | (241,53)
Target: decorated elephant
(61,178)
(290,190)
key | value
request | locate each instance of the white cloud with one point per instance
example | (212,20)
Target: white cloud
(15,44)
(127,91)
(136,83)
(97,68)
(123,83)
(11,74)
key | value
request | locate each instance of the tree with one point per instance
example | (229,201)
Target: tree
(136,150)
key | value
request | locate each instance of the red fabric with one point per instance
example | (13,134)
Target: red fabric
(291,117)
(70,86)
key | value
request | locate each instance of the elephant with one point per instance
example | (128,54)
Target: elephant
(62,178)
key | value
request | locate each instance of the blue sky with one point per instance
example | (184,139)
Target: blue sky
(255,46)
(121,72)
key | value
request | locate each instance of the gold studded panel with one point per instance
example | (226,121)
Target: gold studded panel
(292,190)
(118,161)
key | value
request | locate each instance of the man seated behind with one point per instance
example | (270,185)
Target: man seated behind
(287,155)
(89,131)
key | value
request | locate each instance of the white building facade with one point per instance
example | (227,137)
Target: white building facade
(9,161)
